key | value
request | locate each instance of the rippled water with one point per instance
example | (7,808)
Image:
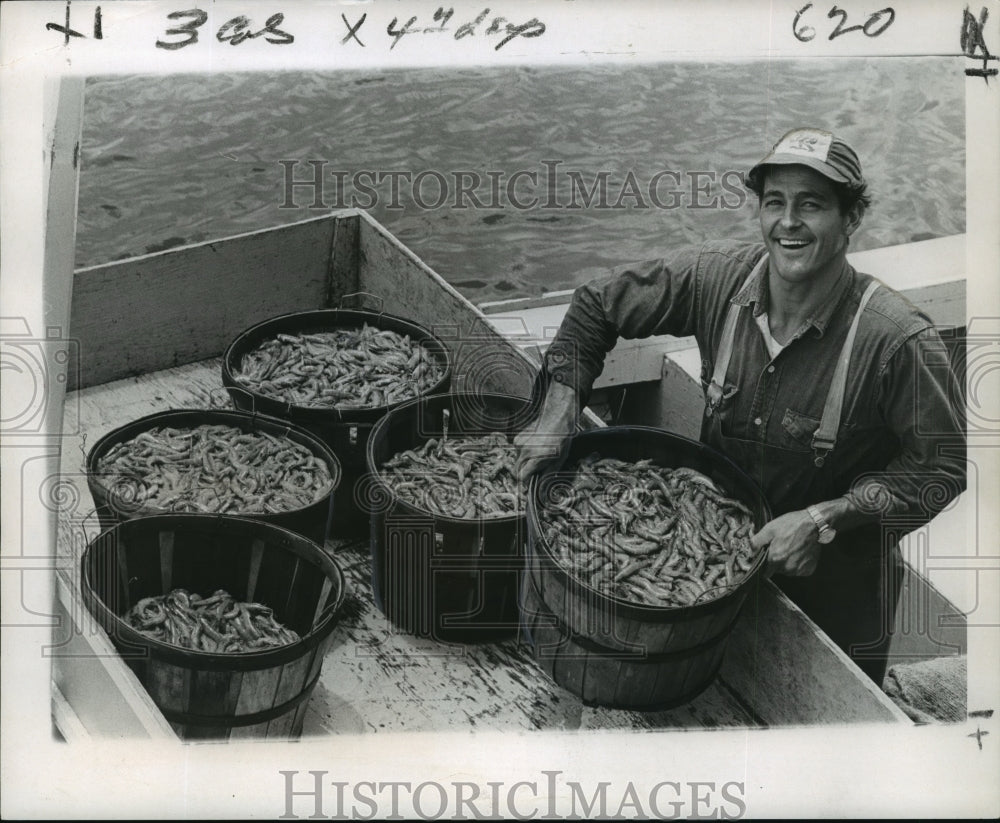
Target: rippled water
(178,159)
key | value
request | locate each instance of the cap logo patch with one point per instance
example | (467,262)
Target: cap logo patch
(806,144)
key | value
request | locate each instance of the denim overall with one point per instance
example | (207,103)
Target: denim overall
(853,593)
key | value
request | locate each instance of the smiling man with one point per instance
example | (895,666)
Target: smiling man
(828,388)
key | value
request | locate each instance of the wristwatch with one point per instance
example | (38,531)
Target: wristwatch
(826,532)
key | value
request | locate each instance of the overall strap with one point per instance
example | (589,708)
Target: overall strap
(825,437)
(716,388)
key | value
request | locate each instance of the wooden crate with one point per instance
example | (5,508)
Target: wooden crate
(147,345)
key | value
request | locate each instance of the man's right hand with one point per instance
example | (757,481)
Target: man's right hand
(539,442)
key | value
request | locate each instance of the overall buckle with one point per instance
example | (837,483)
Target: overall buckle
(821,450)
(713,397)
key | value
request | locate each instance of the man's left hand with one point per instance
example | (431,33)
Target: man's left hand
(794,548)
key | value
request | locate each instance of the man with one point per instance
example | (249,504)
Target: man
(829,389)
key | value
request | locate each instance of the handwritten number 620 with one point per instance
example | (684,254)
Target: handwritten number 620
(876,23)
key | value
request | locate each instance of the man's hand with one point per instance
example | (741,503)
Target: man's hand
(539,443)
(794,548)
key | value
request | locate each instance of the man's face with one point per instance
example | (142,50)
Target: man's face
(800,220)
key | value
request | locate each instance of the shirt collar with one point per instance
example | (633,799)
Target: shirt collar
(825,311)
(754,292)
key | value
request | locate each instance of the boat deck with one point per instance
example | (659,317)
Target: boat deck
(376,679)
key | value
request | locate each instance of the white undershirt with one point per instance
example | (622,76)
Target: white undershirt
(773,346)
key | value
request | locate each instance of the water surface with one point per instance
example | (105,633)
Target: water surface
(169,160)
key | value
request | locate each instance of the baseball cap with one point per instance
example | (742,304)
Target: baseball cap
(819,150)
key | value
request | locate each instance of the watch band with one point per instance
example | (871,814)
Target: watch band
(826,532)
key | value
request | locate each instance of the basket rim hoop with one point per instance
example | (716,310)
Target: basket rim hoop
(541,552)
(375,474)
(252,421)
(298,544)
(324,318)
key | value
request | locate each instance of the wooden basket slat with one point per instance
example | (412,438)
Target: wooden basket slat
(282,726)
(168,685)
(258,690)
(294,678)
(215,692)
(203,694)
(166,540)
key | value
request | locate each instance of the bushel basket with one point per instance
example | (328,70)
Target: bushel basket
(258,693)
(344,429)
(115,497)
(454,579)
(617,652)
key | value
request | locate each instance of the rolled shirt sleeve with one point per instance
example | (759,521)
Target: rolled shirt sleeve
(635,300)
(921,402)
